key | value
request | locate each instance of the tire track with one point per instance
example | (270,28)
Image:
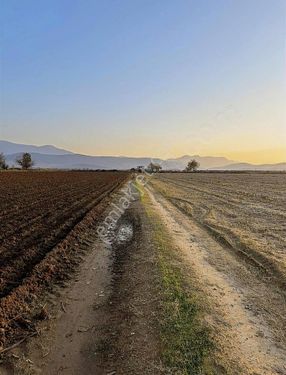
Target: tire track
(247,315)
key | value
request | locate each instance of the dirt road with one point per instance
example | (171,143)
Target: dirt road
(247,314)
(107,320)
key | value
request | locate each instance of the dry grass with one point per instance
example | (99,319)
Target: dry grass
(186,344)
(244,211)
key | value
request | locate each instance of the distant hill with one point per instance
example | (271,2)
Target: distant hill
(206,162)
(14,148)
(77,161)
(52,157)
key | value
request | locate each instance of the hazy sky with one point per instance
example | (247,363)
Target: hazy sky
(146,77)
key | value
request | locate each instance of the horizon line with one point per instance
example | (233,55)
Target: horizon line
(137,157)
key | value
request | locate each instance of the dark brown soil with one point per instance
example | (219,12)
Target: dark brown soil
(45,220)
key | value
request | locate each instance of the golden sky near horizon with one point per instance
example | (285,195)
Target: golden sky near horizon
(155,79)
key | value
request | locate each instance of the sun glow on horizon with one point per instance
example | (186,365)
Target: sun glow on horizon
(159,79)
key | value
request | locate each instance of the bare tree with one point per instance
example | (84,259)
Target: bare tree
(3,164)
(25,161)
(192,166)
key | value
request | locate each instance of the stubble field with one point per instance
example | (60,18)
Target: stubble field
(244,211)
(230,227)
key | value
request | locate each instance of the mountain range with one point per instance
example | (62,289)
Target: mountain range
(49,156)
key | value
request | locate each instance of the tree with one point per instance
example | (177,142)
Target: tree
(3,164)
(25,161)
(192,166)
(154,167)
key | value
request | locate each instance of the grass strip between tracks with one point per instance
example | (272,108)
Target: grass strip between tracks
(186,343)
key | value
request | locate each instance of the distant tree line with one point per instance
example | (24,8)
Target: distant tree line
(192,166)
(25,161)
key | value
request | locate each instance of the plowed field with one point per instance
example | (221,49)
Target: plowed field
(44,216)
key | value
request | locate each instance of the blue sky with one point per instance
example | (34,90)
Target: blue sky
(135,77)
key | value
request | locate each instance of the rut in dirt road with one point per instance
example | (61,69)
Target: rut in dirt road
(246,314)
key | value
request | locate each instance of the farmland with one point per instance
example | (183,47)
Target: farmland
(192,280)
(41,227)
(230,229)
(244,211)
